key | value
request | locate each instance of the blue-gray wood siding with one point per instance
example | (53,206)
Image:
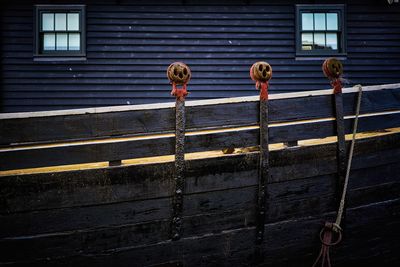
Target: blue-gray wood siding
(130,45)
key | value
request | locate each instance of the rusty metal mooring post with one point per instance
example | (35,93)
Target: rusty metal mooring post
(333,70)
(261,73)
(179,75)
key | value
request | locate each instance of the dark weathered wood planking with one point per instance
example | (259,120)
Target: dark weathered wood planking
(140,221)
(291,242)
(294,205)
(128,43)
(32,192)
(109,151)
(96,125)
(292,195)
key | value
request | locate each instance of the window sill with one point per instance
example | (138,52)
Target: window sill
(58,58)
(320,57)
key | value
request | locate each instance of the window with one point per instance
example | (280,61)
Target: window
(60,31)
(320,30)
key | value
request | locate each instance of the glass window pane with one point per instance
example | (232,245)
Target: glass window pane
(307,21)
(73,21)
(61,41)
(61,22)
(306,41)
(319,21)
(332,41)
(49,41)
(74,41)
(48,22)
(319,40)
(332,21)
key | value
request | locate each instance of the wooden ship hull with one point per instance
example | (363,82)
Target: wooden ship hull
(95,187)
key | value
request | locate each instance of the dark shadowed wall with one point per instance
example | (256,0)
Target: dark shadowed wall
(131,43)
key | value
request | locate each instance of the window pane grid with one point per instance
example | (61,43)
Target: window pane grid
(56,37)
(319,30)
(56,28)
(53,28)
(307,44)
(70,41)
(60,30)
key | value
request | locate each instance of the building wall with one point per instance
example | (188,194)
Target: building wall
(131,43)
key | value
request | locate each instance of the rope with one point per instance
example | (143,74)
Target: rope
(328,229)
(353,140)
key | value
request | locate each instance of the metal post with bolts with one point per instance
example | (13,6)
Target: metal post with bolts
(261,73)
(333,70)
(179,75)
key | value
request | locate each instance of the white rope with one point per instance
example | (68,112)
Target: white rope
(346,181)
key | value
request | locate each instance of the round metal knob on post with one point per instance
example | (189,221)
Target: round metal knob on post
(261,73)
(332,68)
(179,74)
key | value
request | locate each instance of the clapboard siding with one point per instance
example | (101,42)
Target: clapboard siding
(130,44)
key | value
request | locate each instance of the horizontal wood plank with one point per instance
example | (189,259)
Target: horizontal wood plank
(286,202)
(284,244)
(32,192)
(145,119)
(373,179)
(135,147)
